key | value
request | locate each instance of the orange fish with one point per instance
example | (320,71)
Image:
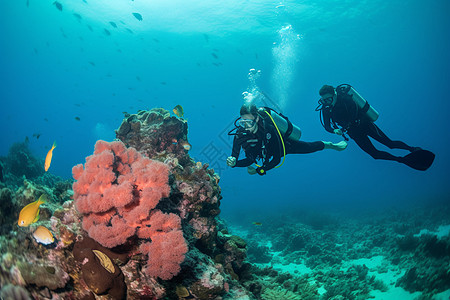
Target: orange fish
(30,213)
(48,158)
(257,223)
(43,235)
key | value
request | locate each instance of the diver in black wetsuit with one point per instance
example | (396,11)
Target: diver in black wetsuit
(261,140)
(341,113)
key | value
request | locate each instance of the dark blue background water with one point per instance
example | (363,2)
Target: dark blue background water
(396,53)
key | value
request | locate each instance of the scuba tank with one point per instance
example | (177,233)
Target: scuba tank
(286,128)
(363,105)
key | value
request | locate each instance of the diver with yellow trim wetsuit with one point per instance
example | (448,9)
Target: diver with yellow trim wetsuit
(261,138)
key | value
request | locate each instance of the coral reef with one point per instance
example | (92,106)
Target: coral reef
(143,222)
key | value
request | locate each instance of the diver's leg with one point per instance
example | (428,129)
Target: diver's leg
(301,147)
(366,145)
(377,134)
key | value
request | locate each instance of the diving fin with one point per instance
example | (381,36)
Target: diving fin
(420,160)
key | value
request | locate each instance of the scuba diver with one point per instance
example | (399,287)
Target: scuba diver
(266,135)
(343,111)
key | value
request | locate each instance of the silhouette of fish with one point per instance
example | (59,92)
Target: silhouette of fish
(58,5)
(113,24)
(138,16)
(1,173)
(107,31)
(78,16)
(215,55)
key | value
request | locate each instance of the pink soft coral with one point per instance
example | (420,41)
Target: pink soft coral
(117,192)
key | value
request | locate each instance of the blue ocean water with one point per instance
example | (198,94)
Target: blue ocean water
(68,75)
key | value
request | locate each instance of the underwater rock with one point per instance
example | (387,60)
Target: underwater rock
(14,292)
(8,209)
(95,274)
(154,133)
(42,275)
(20,162)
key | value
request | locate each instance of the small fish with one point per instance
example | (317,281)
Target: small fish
(214,55)
(163,82)
(90,27)
(78,16)
(257,223)
(36,135)
(178,110)
(129,30)
(186,146)
(77,118)
(28,3)
(156,40)
(106,31)
(206,37)
(30,213)
(48,158)
(138,16)
(43,236)
(1,173)
(58,5)
(92,63)
(113,24)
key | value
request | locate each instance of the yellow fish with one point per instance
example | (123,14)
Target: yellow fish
(30,213)
(178,110)
(186,146)
(48,158)
(43,236)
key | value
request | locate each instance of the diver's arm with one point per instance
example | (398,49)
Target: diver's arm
(237,145)
(245,162)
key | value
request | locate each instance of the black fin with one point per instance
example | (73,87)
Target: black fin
(420,160)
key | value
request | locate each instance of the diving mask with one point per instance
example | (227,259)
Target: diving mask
(246,123)
(327,101)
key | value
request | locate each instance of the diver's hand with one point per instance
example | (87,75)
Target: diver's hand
(231,161)
(338,131)
(251,170)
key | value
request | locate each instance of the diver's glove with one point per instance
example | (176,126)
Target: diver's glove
(260,171)
(231,161)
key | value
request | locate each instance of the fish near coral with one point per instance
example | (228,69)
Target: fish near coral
(178,110)
(186,146)
(43,236)
(30,213)
(48,158)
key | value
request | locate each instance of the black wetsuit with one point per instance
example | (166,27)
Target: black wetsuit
(265,144)
(359,127)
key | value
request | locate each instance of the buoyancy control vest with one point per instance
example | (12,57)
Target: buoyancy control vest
(362,103)
(287,129)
